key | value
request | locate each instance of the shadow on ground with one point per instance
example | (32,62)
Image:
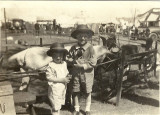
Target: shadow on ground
(138,93)
(153,85)
(141,99)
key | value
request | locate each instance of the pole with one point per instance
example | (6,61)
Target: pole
(119,87)
(50,32)
(91,40)
(134,16)
(118,40)
(155,57)
(41,44)
(5,29)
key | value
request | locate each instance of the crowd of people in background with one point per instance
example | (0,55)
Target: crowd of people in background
(125,30)
(52,27)
(47,28)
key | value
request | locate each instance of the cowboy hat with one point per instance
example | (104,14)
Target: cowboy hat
(82,29)
(56,47)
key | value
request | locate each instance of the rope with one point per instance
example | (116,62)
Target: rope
(14,73)
(132,41)
(107,62)
(18,75)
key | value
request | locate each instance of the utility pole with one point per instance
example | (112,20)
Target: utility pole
(5,29)
(134,16)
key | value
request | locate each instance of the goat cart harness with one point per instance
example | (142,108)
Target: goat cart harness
(146,62)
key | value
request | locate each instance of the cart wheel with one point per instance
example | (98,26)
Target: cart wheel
(153,36)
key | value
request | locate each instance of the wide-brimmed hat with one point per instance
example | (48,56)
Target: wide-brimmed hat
(56,47)
(82,29)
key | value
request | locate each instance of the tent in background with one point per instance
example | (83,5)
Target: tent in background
(94,27)
(150,18)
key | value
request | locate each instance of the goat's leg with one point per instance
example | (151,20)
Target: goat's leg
(25,82)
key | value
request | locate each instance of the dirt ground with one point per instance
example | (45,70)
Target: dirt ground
(138,99)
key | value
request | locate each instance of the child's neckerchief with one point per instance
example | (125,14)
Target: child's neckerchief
(80,50)
(84,47)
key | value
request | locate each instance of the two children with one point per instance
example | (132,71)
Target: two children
(81,59)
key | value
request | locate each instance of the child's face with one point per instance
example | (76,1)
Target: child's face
(57,57)
(82,38)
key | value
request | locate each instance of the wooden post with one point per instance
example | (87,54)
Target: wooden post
(118,41)
(128,37)
(5,29)
(91,40)
(155,57)
(41,44)
(145,71)
(101,82)
(50,32)
(119,87)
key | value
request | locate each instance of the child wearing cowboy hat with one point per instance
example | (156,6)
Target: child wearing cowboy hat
(58,76)
(82,59)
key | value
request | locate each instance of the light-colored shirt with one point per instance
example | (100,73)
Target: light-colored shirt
(56,71)
(56,91)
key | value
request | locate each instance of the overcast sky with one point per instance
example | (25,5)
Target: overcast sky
(71,11)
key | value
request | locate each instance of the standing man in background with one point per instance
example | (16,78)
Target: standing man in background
(124,27)
(37,28)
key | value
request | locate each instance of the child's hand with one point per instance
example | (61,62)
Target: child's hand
(78,65)
(66,80)
(69,76)
(70,59)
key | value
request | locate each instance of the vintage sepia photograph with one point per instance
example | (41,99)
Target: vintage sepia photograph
(79,57)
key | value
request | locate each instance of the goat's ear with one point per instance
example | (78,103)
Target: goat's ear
(104,40)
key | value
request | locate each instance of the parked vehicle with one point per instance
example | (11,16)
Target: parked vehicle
(15,26)
(155,33)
